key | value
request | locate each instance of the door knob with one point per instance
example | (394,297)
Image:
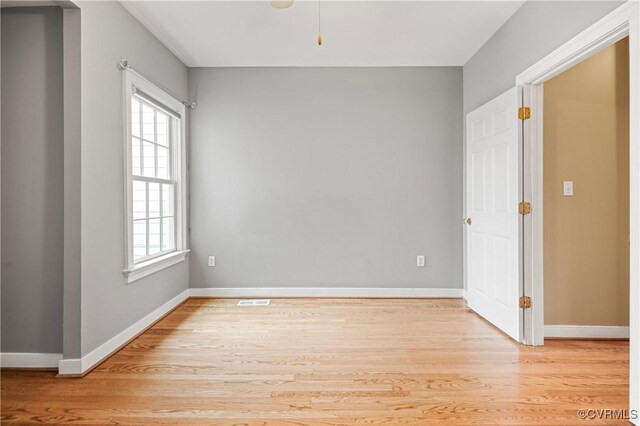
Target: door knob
(467,221)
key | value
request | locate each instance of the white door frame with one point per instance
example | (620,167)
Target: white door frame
(623,21)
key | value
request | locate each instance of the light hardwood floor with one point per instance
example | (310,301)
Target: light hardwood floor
(329,362)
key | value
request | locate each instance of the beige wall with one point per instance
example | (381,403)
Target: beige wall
(586,140)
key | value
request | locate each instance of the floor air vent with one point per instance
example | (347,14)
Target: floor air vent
(264,302)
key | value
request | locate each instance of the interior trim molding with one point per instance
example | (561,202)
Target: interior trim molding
(328,292)
(611,28)
(47,361)
(78,367)
(154,265)
(586,332)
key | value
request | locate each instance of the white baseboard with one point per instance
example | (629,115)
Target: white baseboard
(79,366)
(371,292)
(464,294)
(29,360)
(586,332)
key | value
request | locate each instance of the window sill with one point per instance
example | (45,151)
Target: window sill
(154,265)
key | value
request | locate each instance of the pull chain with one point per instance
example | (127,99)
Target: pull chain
(319,27)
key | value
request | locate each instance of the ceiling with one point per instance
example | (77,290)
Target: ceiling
(355,33)
(30,3)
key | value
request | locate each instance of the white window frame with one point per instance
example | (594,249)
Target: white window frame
(135,271)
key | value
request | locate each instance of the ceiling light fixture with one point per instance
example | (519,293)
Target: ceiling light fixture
(281,4)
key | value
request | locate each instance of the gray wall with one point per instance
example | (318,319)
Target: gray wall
(328,177)
(535,30)
(32,179)
(109,306)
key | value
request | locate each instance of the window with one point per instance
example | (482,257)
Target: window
(153,181)
(155,192)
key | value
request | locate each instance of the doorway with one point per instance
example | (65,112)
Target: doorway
(586,198)
(621,23)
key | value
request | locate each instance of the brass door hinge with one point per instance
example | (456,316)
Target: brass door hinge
(525,302)
(524,208)
(524,113)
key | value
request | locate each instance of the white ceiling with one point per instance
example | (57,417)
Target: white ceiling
(24,3)
(355,33)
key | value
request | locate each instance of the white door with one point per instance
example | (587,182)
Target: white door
(493,221)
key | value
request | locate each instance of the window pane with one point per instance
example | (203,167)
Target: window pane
(139,239)
(148,128)
(162,127)
(154,236)
(135,157)
(135,117)
(149,159)
(154,199)
(167,200)
(163,162)
(139,200)
(168,234)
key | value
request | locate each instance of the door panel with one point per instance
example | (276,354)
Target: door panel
(493,236)
(478,185)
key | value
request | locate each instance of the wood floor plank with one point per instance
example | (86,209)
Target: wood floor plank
(329,362)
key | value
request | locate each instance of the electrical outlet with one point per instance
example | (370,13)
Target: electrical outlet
(420,261)
(212,261)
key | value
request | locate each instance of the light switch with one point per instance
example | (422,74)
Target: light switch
(568,188)
(420,261)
